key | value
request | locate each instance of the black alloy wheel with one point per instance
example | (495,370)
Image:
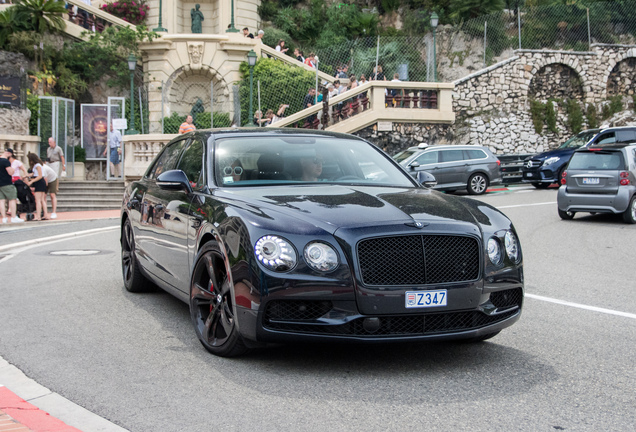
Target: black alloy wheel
(212,306)
(134,280)
(566,215)
(477,184)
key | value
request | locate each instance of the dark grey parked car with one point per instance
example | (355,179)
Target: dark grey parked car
(455,167)
(600,179)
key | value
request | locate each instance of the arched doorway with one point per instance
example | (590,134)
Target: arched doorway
(556,81)
(622,78)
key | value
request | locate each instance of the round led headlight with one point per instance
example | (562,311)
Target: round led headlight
(512,247)
(321,257)
(275,253)
(494,250)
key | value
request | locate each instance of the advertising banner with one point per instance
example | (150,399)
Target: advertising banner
(94,130)
(10,90)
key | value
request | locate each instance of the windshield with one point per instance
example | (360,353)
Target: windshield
(267,160)
(579,140)
(596,160)
(403,155)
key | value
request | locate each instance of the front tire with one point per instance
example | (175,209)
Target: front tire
(629,216)
(134,280)
(477,184)
(566,215)
(212,307)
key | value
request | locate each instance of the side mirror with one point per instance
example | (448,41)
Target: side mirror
(413,165)
(426,179)
(174,180)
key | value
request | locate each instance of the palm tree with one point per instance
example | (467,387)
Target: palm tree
(42,15)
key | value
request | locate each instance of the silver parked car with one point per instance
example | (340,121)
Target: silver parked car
(600,179)
(455,167)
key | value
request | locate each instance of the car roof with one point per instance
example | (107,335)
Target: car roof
(608,146)
(447,146)
(227,132)
(617,128)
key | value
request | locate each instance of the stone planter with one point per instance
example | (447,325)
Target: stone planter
(80,172)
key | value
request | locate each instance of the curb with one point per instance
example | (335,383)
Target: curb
(41,410)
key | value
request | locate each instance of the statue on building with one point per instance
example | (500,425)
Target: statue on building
(197,17)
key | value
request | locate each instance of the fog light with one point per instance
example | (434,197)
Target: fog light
(371,325)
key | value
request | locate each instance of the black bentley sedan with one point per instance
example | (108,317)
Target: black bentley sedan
(286,235)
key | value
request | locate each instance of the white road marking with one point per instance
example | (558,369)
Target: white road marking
(524,191)
(582,306)
(527,205)
(16,248)
(41,241)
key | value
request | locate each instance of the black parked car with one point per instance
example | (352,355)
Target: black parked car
(280,235)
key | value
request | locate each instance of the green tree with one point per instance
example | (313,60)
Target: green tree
(466,9)
(42,15)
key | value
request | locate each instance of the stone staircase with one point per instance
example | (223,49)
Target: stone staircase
(89,195)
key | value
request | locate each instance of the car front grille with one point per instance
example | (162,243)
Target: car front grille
(533,164)
(395,325)
(418,260)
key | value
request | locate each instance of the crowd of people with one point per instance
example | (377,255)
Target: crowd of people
(30,185)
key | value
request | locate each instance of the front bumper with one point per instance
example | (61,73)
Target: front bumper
(539,176)
(312,320)
(595,203)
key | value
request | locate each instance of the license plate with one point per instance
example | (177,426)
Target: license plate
(425,299)
(591,180)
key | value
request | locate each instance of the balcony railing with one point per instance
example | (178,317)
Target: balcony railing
(407,102)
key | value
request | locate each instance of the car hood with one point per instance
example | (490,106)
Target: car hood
(555,152)
(342,206)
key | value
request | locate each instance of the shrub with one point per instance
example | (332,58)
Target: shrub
(616,104)
(80,154)
(171,124)
(204,121)
(133,11)
(537,112)
(280,84)
(268,10)
(575,116)
(273,35)
(592,119)
(606,112)
(550,117)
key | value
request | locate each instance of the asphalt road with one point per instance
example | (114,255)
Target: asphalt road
(68,323)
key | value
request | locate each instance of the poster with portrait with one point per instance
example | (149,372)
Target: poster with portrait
(94,130)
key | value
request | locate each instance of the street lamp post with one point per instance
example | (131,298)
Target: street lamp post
(251,61)
(160,26)
(434,22)
(232,29)
(132,64)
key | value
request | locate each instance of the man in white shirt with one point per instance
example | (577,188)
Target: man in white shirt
(115,150)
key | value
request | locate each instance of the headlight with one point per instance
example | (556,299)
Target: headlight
(512,247)
(275,253)
(550,161)
(494,250)
(321,257)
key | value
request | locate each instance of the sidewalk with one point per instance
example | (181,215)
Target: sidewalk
(66,217)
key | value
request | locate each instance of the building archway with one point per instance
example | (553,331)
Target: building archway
(622,78)
(201,90)
(556,81)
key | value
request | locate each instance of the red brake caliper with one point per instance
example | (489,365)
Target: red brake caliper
(210,289)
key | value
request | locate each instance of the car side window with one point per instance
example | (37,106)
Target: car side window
(474,154)
(191,164)
(427,158)
(606,138)
(451,155)
(624,136)
(168,159)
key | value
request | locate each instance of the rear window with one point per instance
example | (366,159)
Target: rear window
(597,160)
